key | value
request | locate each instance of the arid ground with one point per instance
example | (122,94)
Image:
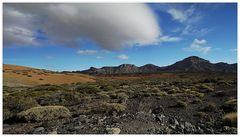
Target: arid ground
(45,102)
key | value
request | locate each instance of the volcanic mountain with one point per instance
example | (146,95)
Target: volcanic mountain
(190,64)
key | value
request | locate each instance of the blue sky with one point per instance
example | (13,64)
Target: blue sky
(160,34)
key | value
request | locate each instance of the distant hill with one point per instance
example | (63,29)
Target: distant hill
(190,64)
(196,64)
(25,76)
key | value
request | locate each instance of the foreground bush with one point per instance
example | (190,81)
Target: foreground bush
(200,114)
(44,113)
(110,107)
(230,119)
(7,114)
(206,88)
(230,105)
(181,104)
(14,105)
(88,89)
(210,107)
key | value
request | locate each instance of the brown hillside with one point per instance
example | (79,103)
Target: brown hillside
(25,76)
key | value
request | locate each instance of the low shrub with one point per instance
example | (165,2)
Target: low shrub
(7,114)
(197,94)
(17,104)
(231,102)
(122,95)
(210,107)
(223,83)
(106,87)
(64,99)
(206,87)
(103,95)
(88,89)
(200,114)
(110,107)
(44,113)
(230,105)
(196,101)
(159,94)
(210,80)
(181,104)
(47,87)
(230,119)
(220,94)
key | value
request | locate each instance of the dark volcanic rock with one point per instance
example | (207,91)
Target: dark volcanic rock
(192,63)
(122,69)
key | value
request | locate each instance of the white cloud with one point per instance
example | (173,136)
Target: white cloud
(86,52)
(17,28)
(105,51)
(190,30)
(99,57)
(185,16)
(189,17)
(18,35)
(233,50)
(122,57)
(169,39)
(105,24)
(199,46)
(50,57)
(178,15)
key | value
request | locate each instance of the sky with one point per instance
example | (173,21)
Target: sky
(78,36)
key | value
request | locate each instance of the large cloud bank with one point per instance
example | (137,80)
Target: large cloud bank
(111,26)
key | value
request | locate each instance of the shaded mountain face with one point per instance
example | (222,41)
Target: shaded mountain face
(190,64)
(149,68)
(122,69)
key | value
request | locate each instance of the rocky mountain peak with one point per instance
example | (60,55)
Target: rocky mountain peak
(195,59)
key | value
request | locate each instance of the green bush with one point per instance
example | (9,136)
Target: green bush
(230,105)
(196,101)
(17,104)
(200,114)
(7,114)
(47,87)
(44,113)
(206,87)
(159,94)
(88,89)
(230,119)
(110,107)
(103,95)
(231,102)
(181,104)
(223,83)
(107,87)
(210,107)
(64,99)
(122,95)
(197,94)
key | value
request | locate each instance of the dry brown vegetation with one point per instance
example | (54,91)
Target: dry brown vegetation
(25,76)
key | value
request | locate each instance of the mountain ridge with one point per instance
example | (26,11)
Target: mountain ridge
(189,64)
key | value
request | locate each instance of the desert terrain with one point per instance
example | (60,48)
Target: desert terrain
(161,103)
